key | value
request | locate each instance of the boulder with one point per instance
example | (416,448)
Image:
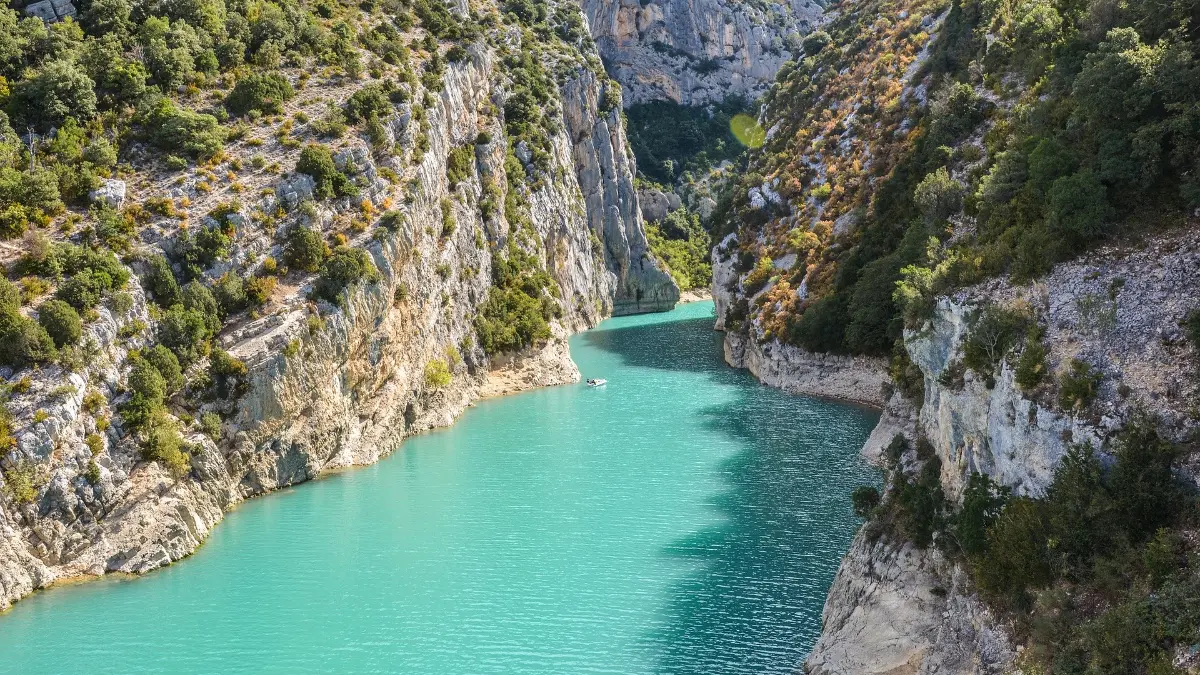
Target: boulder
(110,192)
(656,204)
(51,10)
(294,190)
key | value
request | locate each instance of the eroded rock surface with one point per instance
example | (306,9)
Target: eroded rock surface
(697,51)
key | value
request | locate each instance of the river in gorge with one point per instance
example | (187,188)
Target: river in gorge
(681,519)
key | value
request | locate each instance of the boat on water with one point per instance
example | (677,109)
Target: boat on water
(596,382)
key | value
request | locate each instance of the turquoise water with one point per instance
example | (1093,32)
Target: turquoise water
(682,519)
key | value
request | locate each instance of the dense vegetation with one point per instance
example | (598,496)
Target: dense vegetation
(683,245)
(519,305)
(669,139)
(1094,137)
(1097,575)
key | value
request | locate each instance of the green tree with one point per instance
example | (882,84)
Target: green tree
(51,94)
(61,322)
(304,249)
(1146,494)
(167,365)
(161,282)
(345,267)
(939,196)
(1078,210)
(865,500)
(317,161)
(23,341)
(263,92)
(185,332)
(1017,557)
(983,501)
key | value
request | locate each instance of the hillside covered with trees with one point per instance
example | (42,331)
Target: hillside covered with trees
(920,148)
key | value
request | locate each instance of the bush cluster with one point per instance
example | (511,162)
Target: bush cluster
(519,305)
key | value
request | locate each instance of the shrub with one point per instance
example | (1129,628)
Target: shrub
(437,374)
(331,125)
(48,96)
(61,322)
(230,294)
(228,374)
(202,249)
(82,291)
(163,444)
(994,332)
(1078,209)
(1032,367)
(921,503)
(167,365)
(1017,558)
(865,500)
(304,249)
(982,502)
(815,42)
(1146,495)
(449,222)
(345,267)
(939,196)
(147,390)
(95,444)
(1078,386)
(160,281)
(460,165)
(758,277)
(262,92)
(179,130)
(145,381)
(92,473)
(369,101)
(185,332)
(23,341)
(317,161)
(259,289)
(210,425)
(21,482)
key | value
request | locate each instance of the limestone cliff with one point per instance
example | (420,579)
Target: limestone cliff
(697,51)
(331,386)
(896,609)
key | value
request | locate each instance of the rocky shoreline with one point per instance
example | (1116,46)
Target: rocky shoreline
(329,387)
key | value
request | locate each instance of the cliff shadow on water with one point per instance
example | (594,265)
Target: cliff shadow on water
(751,601)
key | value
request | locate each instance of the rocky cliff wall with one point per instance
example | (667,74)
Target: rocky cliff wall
(697,51)
(330,386)
(894,609)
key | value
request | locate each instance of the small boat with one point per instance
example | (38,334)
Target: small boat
(596,383)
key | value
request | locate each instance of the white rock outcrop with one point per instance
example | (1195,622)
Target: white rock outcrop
(697,51)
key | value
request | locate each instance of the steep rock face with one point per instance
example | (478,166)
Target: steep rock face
(996,431)
(331,387)
(1120,310)
(897,610)
(605,174)
(696,51)
(796,371)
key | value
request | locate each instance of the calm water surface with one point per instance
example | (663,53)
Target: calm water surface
(682,519)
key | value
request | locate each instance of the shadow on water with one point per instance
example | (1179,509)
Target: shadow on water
(753,604)
(688,345)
